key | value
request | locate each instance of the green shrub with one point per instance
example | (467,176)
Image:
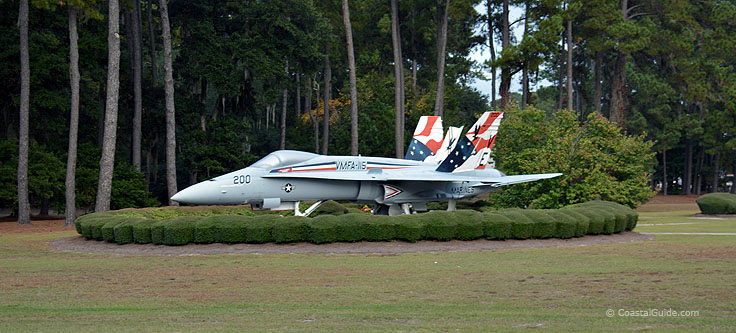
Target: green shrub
(142,231)
(596,221)
(565,226)
(544,225)
(380,228)
(440,225)
(469,224)
(157,232)
(229,228)
(410,228)
(108,234)
(205,231)
(84,224)
(331,207)
(717,203)
(582,222)
(323,229)
(496,226)
(609,220)
(127,226)
(291,229)
(620,218)
(258,229)
(352,227)
(180,231)
(631,215)
(522,227)
(123,232)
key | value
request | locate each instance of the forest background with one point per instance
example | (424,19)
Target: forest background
(201,88)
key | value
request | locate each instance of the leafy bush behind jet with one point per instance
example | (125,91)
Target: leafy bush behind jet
(434,169)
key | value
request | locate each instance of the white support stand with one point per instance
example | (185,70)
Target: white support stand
(309,210)
(451,205)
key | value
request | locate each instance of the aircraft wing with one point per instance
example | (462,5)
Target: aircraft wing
(518,179)
(414,175)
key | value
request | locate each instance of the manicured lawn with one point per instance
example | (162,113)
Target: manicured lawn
(565,288)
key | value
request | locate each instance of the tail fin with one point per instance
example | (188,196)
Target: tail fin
(448,144)
(427,138)
(474,148)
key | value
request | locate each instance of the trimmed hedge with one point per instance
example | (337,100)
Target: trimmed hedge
(565,225)
(590,218)
(582,222)
(180,231)
(123,232)
(410,228)
(496,226)
(142,231)
(331,207)
(717,203)
(291,229)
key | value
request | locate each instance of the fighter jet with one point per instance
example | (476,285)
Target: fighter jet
(435,169)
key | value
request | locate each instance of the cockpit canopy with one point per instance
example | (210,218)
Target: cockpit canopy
(282,158)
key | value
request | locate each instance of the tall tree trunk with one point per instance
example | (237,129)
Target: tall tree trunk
(312,116)
(413,56)
(597,86)
(439,102)
(152,42)
(688,167)
(699,172)
(170,111)
(398,76)
(353,89)
(560,99)
(284,100)
(618,83)
(107,160)
(101,119)
(716,171)
(665,184)
(137,89)
(298,105)
(617,90)
(569,66)
(525,66)
(327,97)
(505,87)
(489,8)
(24,208)
(71,159)
(733,179)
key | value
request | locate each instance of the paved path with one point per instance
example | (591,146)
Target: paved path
(691,233)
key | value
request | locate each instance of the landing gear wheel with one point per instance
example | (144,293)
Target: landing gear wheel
(380,209)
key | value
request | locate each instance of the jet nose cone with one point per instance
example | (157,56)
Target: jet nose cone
(189,195)
(178,197)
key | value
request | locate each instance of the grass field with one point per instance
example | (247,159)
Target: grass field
(564,288)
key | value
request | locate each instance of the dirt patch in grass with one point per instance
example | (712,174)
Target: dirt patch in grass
(673,199)
(79,244)
(667,203)
(12,226)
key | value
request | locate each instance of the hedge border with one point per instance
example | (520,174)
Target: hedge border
(590,218)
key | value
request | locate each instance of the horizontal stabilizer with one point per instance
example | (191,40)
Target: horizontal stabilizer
(518,179)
